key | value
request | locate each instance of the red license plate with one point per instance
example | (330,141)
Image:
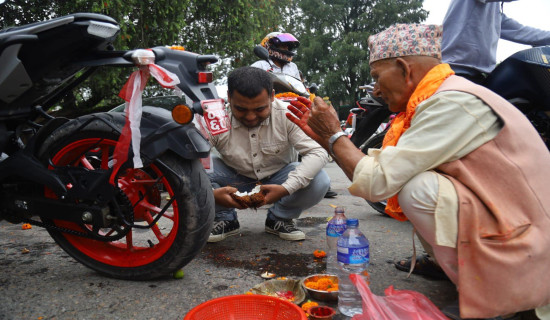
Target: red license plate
(215,115)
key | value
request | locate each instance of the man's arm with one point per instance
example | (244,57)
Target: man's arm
(314,158)
(321,126)
(444,129)
(512,30)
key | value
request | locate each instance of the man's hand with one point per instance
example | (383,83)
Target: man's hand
(273,192)
(299,114)
(223,197)
(319,121)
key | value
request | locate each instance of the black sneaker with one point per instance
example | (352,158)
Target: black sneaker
(285,229)
(331,194)
(224,229)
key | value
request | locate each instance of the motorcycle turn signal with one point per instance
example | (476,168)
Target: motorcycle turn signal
(182,114)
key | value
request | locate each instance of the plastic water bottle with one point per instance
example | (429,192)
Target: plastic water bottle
(335,228)
(353,257)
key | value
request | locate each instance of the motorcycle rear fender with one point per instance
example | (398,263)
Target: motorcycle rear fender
(159,133)
(524,75)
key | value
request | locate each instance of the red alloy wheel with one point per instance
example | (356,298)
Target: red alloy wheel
(147,189)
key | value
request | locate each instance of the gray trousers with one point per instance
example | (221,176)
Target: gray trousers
(289,207)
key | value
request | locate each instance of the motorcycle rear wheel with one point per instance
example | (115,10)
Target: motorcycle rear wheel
(375,142)
(139,254)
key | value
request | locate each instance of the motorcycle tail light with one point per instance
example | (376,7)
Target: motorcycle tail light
(182,114)
(102,29)
(205,77)
(143,57)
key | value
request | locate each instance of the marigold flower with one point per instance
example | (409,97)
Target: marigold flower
(334,287)
(312,285)
(319,254)
(323,284)
(309,304)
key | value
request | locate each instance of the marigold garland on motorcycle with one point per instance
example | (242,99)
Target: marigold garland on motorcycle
(151,221)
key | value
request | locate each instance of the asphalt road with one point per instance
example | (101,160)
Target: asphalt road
(46,283)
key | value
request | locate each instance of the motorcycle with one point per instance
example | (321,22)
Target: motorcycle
(123,221)
(523,79)
(371,117)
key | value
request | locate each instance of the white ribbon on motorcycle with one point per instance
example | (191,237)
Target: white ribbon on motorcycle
(132,94)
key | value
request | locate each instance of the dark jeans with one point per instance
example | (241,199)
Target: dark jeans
(289,207)
(470,74)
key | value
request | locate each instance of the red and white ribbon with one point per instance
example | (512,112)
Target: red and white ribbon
(132,94)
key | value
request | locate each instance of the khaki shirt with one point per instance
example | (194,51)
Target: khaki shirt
(445,127)
(259,152)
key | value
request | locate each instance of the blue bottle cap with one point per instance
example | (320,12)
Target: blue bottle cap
(352,222)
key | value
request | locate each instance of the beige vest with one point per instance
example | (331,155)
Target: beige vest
(503,190)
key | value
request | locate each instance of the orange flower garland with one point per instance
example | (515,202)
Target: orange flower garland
(286,95)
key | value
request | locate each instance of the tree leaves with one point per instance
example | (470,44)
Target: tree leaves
(334,33)
(227,28)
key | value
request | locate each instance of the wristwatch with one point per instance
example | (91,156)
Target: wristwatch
(333,139)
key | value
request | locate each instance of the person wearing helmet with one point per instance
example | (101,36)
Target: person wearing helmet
(471,30)
(282,48)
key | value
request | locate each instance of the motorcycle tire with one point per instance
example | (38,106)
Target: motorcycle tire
(375,142)
(138,253)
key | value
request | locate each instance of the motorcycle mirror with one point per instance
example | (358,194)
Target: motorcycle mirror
(313,88)
(261,52)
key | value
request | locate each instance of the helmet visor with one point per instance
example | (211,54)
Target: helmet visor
(286,39)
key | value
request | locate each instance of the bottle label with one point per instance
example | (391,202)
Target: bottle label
(335,230)
(353,255)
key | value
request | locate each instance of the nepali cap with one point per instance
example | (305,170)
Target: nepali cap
(402,40)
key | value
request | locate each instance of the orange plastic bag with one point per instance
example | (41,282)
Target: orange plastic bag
(396,304)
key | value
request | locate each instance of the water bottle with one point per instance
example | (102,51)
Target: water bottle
(353,257)
(335,228)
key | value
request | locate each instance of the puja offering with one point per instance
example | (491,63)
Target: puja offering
(323,287)
(320,313)
(289,290)
(252,199)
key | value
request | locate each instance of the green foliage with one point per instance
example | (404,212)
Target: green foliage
(333,36)
(227,28)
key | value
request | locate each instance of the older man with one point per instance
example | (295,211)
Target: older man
(461,163)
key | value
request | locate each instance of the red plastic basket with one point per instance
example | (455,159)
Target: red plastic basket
(246,307)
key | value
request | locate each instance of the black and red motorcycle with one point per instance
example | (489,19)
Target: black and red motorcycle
(60,174)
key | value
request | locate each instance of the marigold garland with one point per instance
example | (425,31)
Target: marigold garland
(286,95)
(291,96)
